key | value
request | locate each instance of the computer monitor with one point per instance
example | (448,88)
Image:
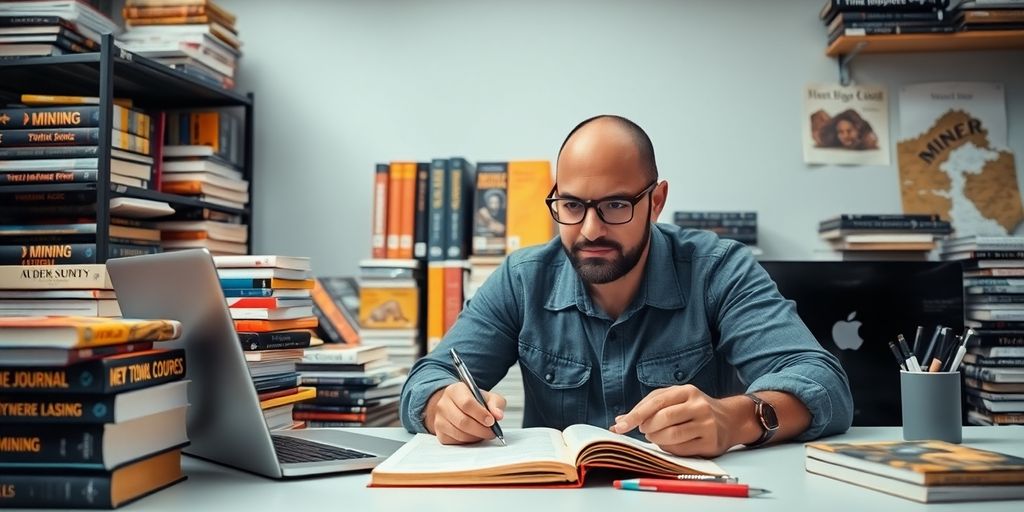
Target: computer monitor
(855,308)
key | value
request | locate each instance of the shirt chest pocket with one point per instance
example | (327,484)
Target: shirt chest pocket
(688,366)
(557,384)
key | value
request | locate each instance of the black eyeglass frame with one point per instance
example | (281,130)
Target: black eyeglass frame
(594,203)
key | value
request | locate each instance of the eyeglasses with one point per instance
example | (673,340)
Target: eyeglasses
(611,210)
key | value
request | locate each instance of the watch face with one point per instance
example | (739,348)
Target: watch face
(768,417)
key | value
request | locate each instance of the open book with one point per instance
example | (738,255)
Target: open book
(534,456)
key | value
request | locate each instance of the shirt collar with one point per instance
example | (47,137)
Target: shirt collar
(660,287)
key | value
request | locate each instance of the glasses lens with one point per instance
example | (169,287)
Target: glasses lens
(616,211)
(567,211)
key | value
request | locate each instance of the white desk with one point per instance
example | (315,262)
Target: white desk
(778,468)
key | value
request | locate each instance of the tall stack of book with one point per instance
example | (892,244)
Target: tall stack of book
(975,15)
(883,237)
(48,290)
(198,38)
(269,300)
(389,308)
(355,387)
(91,416)
(994,289)
(859,18)
(739,226)
(44,28)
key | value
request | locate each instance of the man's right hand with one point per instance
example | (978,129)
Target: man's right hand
(455,417)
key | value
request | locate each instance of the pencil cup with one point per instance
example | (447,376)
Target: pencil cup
(931,406)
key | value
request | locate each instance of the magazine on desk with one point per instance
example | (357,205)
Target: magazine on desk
(533,457)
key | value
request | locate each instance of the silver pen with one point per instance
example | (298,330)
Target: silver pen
(725,479)
(467,378)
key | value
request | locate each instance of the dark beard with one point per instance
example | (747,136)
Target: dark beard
(601,271)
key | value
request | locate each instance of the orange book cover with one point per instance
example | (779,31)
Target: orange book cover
(453,275)
(82,332)
(408,219)
(379,239)
(332,313)
(389,307)
(395,207)
(292,284)
(276,394)
(528,221)
(275,325)
(183,235)
(182,187)
(329,416)
(435,303)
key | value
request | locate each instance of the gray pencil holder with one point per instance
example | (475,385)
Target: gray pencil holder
(931,406)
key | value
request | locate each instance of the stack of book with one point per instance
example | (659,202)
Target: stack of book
(269,299)
(44,290)
(859,18)
(203,157)
(220,238)
(44,28)
(739,226)
(91,415)
(356,386)
(336,307)
(883,237)
(197,38)
(923,471)
(994,289)
(389,308)
(975,15)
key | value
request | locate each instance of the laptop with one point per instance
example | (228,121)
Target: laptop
(855,308)
(225,423)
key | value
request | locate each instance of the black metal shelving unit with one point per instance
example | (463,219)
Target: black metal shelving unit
(114,72)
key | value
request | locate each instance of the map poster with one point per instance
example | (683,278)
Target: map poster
(953,157)
(846,125)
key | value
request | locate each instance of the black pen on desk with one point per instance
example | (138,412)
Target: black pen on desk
(467,379)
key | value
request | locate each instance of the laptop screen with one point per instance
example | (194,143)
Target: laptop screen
(855,308)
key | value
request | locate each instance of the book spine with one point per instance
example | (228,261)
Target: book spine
(273,340)
(34,444)
(47,177)
(896,225)
(328,416)
(55,491)
(103,376)
(50,117)
(408,219)
(245,283)
(395,183)
(47,278)
(50,137)
(47,254)
(47,409)
(330,316)
(341,381)
(900,29)
(996,341)
(7,153)
(453,280)
(380,212)
(1004,362)
(455,239)
(420,228)
(435,303)
(529,222)
(490,209)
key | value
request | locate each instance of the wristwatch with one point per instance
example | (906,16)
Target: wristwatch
(766,417)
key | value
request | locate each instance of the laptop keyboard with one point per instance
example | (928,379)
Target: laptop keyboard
(291,450)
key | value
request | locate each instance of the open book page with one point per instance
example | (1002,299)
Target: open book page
(425,454)
(580,437)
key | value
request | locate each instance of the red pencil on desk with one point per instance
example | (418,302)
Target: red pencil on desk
(689,487)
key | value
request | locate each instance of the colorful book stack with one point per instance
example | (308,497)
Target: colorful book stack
(220,238)
(336,307)
(739,226)
(70,290)
(355,387)
(197,38)
(859,18)
(389,308)
(38,29)
(203,157)
(883,237)
(91,415)
(994,289)
(269,300)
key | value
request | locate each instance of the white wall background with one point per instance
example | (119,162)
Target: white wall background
(717,84)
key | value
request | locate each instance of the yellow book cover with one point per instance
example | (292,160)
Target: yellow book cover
(435,303)
(82,332)
(302,395)
(389,307)
(406,223)
(528,221)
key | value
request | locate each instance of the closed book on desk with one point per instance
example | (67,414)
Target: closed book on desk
(533,457)
(925,471)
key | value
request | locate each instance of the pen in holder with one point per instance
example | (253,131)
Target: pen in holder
(931,406)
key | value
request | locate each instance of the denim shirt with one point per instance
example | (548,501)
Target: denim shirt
(706,314)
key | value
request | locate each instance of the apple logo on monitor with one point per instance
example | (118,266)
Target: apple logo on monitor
(845,333)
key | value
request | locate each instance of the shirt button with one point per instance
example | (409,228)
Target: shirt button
(549,377)
(678,375)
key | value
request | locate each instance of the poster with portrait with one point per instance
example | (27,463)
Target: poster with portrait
(846,125)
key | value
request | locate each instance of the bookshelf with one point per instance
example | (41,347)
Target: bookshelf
(846,48)
(114,72)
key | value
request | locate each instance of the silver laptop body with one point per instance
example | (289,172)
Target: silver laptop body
(225,423)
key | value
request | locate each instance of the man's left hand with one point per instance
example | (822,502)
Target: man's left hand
(684,421)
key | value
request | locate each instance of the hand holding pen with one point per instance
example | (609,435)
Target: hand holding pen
(455,415)
(467,379)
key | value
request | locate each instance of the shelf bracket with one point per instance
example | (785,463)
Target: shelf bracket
(844,63)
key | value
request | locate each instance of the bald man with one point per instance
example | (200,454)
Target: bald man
(631,325)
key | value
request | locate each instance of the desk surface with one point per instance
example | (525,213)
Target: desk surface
(777,468)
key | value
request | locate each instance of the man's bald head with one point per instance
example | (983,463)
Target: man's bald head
(637,135)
